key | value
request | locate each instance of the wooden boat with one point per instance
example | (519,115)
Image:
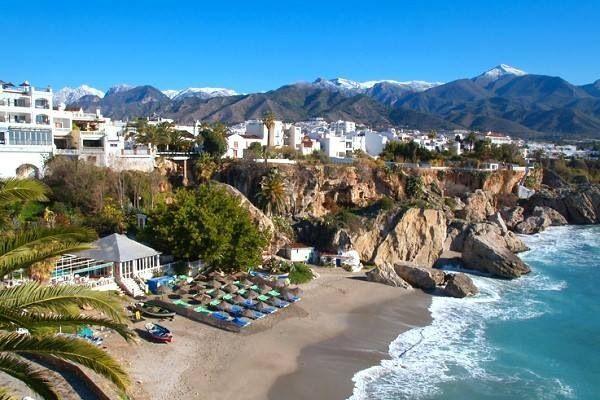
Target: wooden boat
(155,311)
(159,333)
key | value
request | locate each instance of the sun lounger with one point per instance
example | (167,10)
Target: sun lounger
(263,297)
(274,293)
(242,291)
(203,310)
(181,303)
(227,297)
(215,302)
(241,321)
(223,316)
(275,302)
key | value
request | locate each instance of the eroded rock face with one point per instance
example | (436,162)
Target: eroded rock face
(385,274)
(478,207)
(555,218)
(484,250)
(460,285)
(419,277)
(418,237)
(577,204)
(512,216)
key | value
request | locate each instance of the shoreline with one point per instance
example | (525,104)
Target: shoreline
(326,369)
(342,325)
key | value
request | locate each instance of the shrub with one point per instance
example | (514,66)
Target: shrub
(300,273)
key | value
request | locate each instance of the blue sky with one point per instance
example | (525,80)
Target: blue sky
(260,45)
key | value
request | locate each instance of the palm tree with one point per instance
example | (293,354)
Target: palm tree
(151,135)
(273,191)
(42,310)
(268,121)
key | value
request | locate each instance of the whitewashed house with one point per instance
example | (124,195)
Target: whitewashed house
(298,252)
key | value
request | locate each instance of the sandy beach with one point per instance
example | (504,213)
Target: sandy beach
(310,350)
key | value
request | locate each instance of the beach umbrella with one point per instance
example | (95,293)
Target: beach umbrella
(249,314)
(264,289)
(203,298)
(217,294)
(163,289)
(237,299)
(279,284)
(261,306)
(247,283)
(182,292)
(200,278)
(194,291)
(230,288)
(296,291)
(251,294)
(224,306)
(215,284)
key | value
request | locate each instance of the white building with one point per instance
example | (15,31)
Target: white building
(25,129)
(495,138)
(375,143)
(308,146)
(298,252)
(257,128)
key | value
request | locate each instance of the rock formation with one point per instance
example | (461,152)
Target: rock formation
(478,206)
(487,251)
(460,285)
(418,237)
(419,277)
(385,274)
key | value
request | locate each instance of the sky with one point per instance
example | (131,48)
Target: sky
(258,45)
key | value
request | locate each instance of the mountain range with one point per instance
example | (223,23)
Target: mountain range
(503,99)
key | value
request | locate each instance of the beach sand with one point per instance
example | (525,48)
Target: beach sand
(310,350)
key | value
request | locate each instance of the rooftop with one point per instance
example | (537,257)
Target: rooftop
(117,248)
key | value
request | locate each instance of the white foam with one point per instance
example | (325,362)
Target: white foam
(454,346)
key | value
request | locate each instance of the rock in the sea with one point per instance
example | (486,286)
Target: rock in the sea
(512,216)
(460,285)
(419,277)
(385,274)
(578,204)
(532,225)
(486,251)
(418,237)
(478,206)
(497,220)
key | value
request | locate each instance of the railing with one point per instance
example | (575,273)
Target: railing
(67,152)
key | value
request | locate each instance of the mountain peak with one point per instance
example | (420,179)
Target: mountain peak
(68,95)
(123,87)
(202,93)
(497,72)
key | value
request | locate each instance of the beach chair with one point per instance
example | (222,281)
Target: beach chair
(203,310)
(241,321)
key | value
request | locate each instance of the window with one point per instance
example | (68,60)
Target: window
(30,138)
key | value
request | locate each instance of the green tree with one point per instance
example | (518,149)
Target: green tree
(41,310)
(273,191)
(405,152)
(214,140)
(207,224)
(255,150)
(205,167)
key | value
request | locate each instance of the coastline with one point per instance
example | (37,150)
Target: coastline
(343,324)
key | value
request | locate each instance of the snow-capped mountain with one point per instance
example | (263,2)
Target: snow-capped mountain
(203,93)
(170,93)
(123,87)
(361,87)
(68,95)
(496,73)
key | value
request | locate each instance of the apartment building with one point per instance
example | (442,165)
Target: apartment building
(26,129)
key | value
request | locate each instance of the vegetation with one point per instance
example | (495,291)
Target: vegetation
(205,167)
(208,224)
(273,191)
(162,136)
(575,171)
(298,272)
(414,186)
(41,310)
(268,121)
(213,139)
(405,152)
(101,198)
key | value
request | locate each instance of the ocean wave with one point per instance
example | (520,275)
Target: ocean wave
(454,346)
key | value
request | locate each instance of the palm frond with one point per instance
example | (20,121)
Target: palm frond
(68,349)
(23,190)
(39,323)
(21,249)
(26,373)
(60,299)
(5,394)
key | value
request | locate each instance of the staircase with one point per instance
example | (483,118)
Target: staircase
(131,287)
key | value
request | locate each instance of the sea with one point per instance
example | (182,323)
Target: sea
(537,337)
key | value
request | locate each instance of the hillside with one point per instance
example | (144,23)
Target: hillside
(502,99)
